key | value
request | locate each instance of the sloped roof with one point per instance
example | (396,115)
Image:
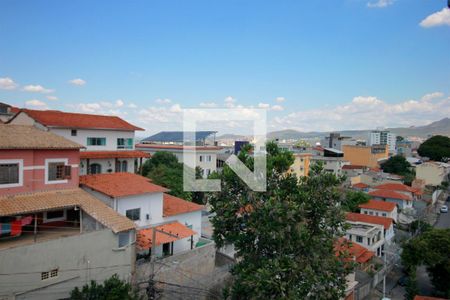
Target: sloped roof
(114,154)
(379,205)
(58,199)
(55,118)
(395,187)
(29,137)
(174,206)
(361,254)
(162,147)
(120,184)
(144,236)
(360,185)
(390,194)
(355,217)
(178,136)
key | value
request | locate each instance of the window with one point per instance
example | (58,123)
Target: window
(124,239)
(124,166)
(49,274)
(359,239)
(209,158)
(73,132)
(384,215)
(96,141)
(59,171)
(54,215)
(53,273)
(9,173)
(200,158)
(123,143)
(368,241)
(45,275)
(133,214)
(95,169)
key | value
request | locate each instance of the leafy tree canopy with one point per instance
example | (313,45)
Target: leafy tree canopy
(432,248)
(436,148)
(284,237)
(399,165)
(352,200)
(111,289)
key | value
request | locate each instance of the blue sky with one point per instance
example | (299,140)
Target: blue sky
(328,64)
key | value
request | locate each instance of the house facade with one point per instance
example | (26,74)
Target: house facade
(368,156)
(386,223)
(44,216)
(433,173)
(108,140)
(401,200)
(301,164)
(149,207)
(380,209)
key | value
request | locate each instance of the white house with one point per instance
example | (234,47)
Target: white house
(403,201)
(380,209)
(370,236)
(148,206)
(433,173)
(108,140)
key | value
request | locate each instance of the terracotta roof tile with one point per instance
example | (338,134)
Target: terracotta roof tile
(360,185)
(396,187)
(43,201)
(114,154)
(144,236)
(379,205)
(175,206)
(29,137)
(355,217)
(361,254)
(55,118)
(390,194)
(120,184)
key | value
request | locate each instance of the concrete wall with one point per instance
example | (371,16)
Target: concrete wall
(79,259)
(363,156)
(193,268)
(432,173)
(82,135)
(193,219)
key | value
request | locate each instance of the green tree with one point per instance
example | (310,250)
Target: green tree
(432,249)
(411,288)
(284,237)
(352,200)
(436,148)
(112,289)
(399,165)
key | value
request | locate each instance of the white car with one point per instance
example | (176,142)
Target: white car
(444,209)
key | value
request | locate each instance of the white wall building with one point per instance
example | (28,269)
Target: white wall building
(380,209)
(108,140)
(383,137)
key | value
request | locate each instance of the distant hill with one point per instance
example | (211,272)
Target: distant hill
(441,127)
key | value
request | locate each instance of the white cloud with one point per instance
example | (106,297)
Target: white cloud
(77,82)
(280,99)
(132,105)
(380,3)
(37,89)
(119,103)
(439,18)
(277,108)
(38,104)
(163,101)
(52,98)
(367,112)
(176,108)
(263,105)
(7,83)
(229,102)
(208,104)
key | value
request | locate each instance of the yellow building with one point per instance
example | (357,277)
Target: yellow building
(300,167)
(365,155)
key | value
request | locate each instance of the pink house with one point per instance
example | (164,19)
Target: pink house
(34,160)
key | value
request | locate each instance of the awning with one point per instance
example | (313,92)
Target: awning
(114,154)
(144,236)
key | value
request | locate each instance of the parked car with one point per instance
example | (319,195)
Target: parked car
(444,209)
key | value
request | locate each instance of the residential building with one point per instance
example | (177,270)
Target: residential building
(367,235)
(362,187)
(204,157)
(383,137)
(433,172)
(386,223)
(368,156)
(333,160)
(148,205)
(361,255)
(301,164)
(401,200)
(380,209)
(44,216)
(336,141)
(414,193)
(7,112)
(108,140)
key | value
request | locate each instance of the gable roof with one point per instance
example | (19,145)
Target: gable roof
(361,254)
(390,194)
(355,217)
(59,119)
(144,236)
(29,137)
(120,184)
(175,206)
(58,199)
(360,185)
(379,205)
(395,187)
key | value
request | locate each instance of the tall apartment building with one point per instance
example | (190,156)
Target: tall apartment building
(383,137)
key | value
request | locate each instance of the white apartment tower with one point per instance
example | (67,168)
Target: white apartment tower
(383,137)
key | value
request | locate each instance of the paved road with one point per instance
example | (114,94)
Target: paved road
(443,220)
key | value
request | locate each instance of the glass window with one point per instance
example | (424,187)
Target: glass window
(201,158)
(124,166)
(54,273)
(45,275)
(123,143)
(95,169)
(55,214)
(73,132)
(133,214)
(9,173)
(96,141)
(56,171)
(359,239)
(124,239)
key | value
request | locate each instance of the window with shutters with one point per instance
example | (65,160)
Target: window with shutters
(57,170)
(11,173)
